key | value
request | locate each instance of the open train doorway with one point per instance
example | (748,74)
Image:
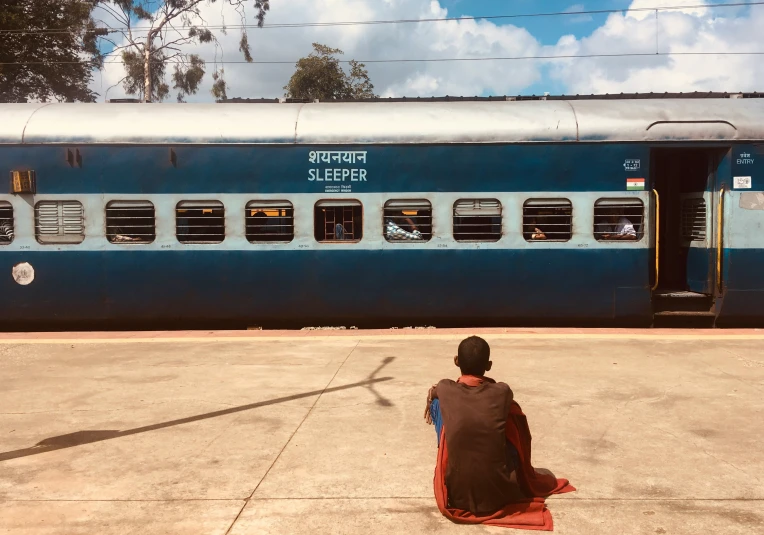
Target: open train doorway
(687,181)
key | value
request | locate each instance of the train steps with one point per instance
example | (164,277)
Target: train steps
(681,308)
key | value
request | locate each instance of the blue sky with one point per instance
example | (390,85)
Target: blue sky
(683,34)
(547,29)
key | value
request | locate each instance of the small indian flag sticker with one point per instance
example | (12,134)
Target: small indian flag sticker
(635,184)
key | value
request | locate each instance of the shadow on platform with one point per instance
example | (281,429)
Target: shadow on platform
(80,438)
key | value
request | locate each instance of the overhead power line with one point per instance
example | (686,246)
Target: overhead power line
(426,20)
(437,60)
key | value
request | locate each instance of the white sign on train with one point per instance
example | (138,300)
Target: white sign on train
(742,182)
(745,159)
(338,189)
(337,156)
(632,165)
(337,174)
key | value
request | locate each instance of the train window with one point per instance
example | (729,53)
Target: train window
(59,222)
(269,221)
(130,222)
(6,223)
(547,219)
(338,221)
(408,220)
(200,221)
(694,219)
(618,219)
(477,220)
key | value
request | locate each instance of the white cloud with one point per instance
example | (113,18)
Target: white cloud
(694,29)
(388,41)
(698,29)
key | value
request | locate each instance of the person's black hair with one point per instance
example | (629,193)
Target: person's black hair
(474,353)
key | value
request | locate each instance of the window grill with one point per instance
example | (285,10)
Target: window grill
(547,219)
(59,222)
(338,221)
(618,219)
(477,220)
(269,221)
(6,223)
(130,222)
(200,221)
(408,220)
(694,219)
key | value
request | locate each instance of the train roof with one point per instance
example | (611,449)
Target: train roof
(621,120)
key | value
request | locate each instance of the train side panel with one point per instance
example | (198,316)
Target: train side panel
(743,237)
(305,281)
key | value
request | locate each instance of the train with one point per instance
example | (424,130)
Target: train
(489,212)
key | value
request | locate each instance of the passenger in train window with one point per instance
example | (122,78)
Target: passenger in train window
(6,230)
(404,221)
(401,227)
(260,220)
(616,227)
(536,233)
(483,469)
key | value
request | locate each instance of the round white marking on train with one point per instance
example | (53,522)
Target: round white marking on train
(23,273)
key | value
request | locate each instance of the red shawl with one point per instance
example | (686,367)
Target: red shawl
(529,514)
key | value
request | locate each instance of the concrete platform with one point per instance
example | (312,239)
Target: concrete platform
(322,431)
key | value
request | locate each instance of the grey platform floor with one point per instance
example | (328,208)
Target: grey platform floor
(279,433)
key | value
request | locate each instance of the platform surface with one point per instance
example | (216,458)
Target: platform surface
(321,432)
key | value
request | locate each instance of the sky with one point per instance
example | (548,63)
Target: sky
(695,28)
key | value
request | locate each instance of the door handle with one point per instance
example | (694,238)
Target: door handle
(657,237)
(719,236)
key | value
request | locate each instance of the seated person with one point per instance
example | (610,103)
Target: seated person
(616,227)
(483,473)
(537,233)
(480,475)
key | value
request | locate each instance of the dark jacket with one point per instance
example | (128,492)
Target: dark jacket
(478,474)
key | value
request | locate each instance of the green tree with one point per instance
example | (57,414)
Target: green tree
(154,32)
(320,76)
(48,50)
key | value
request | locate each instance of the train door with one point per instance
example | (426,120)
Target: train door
(688,184)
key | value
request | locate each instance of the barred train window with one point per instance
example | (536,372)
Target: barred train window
(618,219)
(408,220)
(59,222)
(200,221)
(6,223)
(269,221)
(547,219)
(338,221)
(477,220)
(130,222)
(694,219)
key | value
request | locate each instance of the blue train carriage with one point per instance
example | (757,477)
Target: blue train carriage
(382,213)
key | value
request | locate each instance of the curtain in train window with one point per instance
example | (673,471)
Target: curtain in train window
(130,222)
(618,219)
(477,220)
(408,221)
(200,221)
(59,222)
(336,221)
(269,221)
(547,219)
(6,223)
